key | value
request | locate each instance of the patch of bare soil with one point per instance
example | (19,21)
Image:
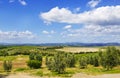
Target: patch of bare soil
(21,76)
(26,76)
(80,75)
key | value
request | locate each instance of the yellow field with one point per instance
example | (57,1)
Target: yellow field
(79,49)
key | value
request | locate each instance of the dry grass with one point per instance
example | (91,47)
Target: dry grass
(79,49)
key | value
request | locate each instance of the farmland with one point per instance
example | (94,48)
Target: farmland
(79,49)
(19,55)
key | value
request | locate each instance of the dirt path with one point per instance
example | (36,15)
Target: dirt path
(80,75)
(21,76)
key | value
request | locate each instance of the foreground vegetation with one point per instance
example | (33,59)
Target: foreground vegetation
(47,61)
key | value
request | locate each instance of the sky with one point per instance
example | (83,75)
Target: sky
(59,21)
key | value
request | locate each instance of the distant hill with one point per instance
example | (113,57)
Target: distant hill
(65,44)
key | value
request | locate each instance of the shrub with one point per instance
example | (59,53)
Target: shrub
(32,56)
(109,58)
(3,53)
(7,65)
(70,60)
(57,63)
(34,64)
(83,62)
(39,57)
(35,60)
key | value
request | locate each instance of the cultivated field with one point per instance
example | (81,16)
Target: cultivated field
(79,49)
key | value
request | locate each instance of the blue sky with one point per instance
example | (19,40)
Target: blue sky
(51,21)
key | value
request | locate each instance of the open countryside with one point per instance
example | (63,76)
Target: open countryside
(21,56)
(59,38)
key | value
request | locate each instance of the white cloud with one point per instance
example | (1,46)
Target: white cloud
(91,33)
(67,27)
(14,35)
(23,2)
(99,24)
(48,32)
(45,32)
(108,15)
(93,3)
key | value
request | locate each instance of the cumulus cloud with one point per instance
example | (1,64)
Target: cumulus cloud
(91,33)
(67,27)
(107,15)
(93,3)
(7,35)
(23,2)
(99,24)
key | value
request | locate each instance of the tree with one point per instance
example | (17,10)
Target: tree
(83,62)
(109,58)
(39,57)
(35,60)
(32,56)
(95,60)
(70,60)
(60,62)
(50,63)
(57,63)
(35,64)
(7,65)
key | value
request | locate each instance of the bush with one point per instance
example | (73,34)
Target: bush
(83,62)
(35,60)
(50,64)
(3,53)
(32,56)
(57,63)
(34,64)
(70,60)
(93,60)
(109,58)
(96,61)
(39,57)
(7,65)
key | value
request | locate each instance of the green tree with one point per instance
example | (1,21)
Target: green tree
(7,65)
(39,57)
(70,60)
(95,60)
(32,56)
(35,60)
(109,58)
(57,63)
(35,64)
(83,62)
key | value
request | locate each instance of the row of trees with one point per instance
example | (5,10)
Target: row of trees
(107,59)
